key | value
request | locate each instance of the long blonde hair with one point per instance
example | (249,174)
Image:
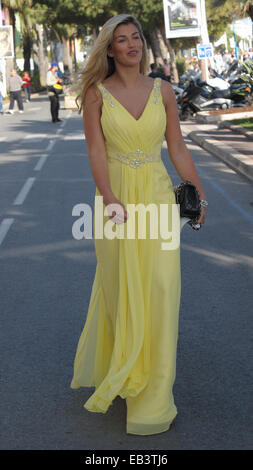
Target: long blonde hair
(100,65)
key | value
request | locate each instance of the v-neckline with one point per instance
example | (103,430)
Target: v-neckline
(145,107)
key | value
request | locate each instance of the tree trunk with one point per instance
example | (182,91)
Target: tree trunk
(248,8)
(27,51)
(67,59)
(174,72)
(163,46)
(35,55)
(74,49)
(155,46)
(95,32)
(42,54)
(13,23)
(53,50)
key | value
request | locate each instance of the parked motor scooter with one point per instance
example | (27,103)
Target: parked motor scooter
(183,83)
(178,91)
(199,96)
(240,90)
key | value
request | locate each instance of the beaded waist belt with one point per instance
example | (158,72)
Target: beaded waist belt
(134,159)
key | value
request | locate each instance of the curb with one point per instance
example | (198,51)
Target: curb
(236,128)
(237,161)
(203,117)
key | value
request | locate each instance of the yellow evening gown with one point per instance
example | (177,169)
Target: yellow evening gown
(129,341)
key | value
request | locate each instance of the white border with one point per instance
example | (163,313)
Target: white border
(181,33)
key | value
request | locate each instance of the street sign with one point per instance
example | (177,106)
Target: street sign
(205,51)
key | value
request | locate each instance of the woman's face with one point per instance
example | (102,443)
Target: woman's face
(126,47)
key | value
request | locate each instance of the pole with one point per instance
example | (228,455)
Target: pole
(236,46)
(204,39)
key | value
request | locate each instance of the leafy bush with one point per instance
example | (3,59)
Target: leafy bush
(35,82)
(181,65)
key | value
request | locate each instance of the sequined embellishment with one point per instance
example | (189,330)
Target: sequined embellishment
(107,96)
(157,85)
(134,159)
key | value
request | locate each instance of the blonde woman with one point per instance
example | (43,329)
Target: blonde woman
(129,341)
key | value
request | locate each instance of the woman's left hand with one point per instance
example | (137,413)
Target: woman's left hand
(201,220)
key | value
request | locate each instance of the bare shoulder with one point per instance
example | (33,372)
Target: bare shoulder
(167,93)
(93,96)
(148,81)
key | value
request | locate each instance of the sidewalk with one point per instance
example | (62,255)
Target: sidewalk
(228,142)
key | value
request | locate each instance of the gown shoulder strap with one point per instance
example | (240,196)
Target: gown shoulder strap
(106,95)
(157,82)
(100,86)
(157,90)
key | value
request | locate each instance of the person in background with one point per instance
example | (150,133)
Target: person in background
(219,63)
(27,86)
(166,69)
(59,72)
(52,79)
(155,73)
(66,75)
(15,84)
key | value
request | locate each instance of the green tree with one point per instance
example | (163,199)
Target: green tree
(219,16)
(221,13)
(240,7)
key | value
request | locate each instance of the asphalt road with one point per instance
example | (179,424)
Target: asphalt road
(45,283)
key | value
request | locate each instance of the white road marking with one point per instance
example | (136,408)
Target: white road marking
(50,145)
(6,223)
(30,181)
(74,136)
(4,227)
(33,138)
(24,191)
(40,163)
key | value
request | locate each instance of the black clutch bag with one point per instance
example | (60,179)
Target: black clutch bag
(188,197)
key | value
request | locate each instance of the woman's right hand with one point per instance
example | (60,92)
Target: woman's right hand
(116,210)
